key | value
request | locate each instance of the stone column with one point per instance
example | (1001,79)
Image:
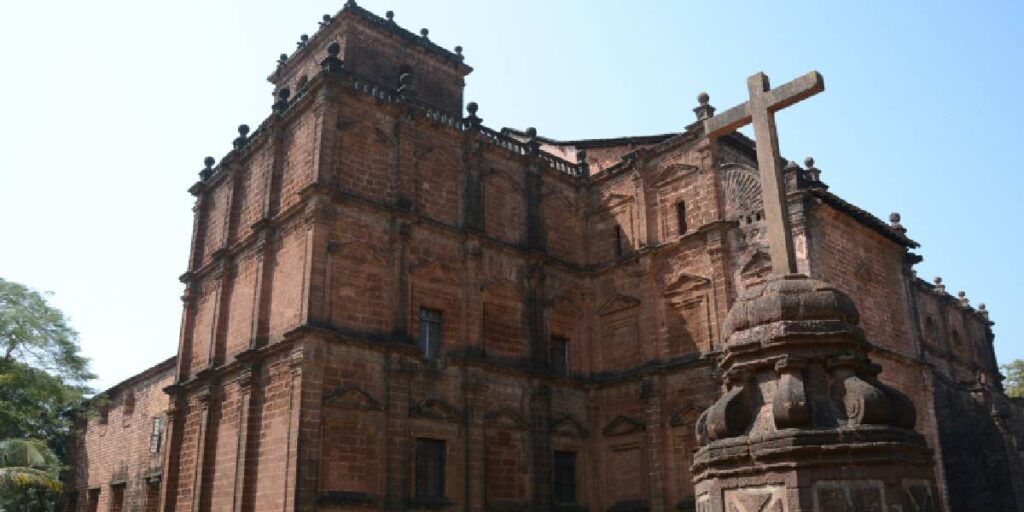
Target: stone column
(804,424)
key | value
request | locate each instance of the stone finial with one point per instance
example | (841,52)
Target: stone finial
(581,161)
(813,173)
(458,53)
(424,32)
(939,287)
(325,20)
(351,3)
(390,15)
(208,169)
(332,64)
(281,59)
(282,100)
(532,146)
(704,109)
(472,119)
(303,40)
(243,136)
(964,301)
(894,223)
(982,311)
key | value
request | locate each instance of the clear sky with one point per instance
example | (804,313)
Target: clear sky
(109,107)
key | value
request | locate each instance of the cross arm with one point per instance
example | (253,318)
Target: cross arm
(794,91)
(728,121)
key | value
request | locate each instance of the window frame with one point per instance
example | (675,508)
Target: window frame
(430,487)
(554,358)
(562,488)
(429,346)
(681,225)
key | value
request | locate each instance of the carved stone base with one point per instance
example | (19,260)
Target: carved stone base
(804,424)
(859,469)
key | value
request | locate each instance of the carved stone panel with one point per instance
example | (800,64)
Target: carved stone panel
(768,498)
(849,496)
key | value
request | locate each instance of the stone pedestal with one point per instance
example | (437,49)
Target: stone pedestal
(804,423)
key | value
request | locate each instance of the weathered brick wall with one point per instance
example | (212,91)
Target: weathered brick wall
(112,453)
(319,240)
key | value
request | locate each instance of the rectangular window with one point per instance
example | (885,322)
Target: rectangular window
(117,498)
(429,470)
(155,437)
(559,355)
(152,497)
(565,477)
(93,503)
(430,333)
(681,217)
(618,240)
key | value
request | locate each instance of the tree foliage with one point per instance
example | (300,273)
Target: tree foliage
(37,335)
(1014,373)
(42,376)
(42,373)
(29,476)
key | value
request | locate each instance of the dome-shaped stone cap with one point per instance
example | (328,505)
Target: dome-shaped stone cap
(793,297)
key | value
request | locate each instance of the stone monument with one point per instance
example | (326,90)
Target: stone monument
(804,423)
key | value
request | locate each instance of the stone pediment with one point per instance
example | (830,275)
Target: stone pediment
(673,172)
(612,201)
(507,418)
(566,426)
(500,286)
(686,283)
(623,425)
(756,264)
(617,303)
(353,398)
(685,416)
(565,302)
(357,250)
(435,409)
(434,270)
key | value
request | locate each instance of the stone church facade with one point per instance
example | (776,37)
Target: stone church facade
(390,306)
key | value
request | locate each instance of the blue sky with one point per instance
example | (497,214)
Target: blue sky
(110,107)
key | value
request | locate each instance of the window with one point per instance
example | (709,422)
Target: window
(429,470)
(430,333)
(117,498)
(129,404)
(93,502)
(558,354)
(618,240)
(681,217)
(152,496)
(565,477)
(156,435)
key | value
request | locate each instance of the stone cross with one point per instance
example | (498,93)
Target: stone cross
(760,110)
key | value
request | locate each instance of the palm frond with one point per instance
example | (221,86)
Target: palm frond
(28,477)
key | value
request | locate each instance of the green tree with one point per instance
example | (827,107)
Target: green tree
(29,475)
(42,376)
(1014,373)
